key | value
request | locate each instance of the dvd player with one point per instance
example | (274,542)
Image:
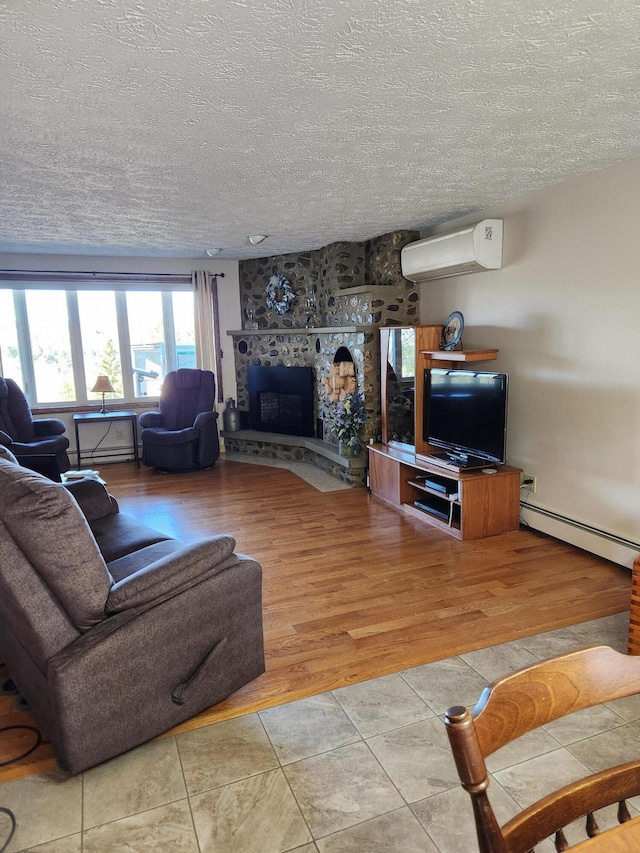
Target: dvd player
(440,513)
(438,484)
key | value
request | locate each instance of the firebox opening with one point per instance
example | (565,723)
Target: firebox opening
(281,399)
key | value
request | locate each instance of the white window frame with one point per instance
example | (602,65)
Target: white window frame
(119,283)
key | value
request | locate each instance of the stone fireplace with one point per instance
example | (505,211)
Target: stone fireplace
(344,293)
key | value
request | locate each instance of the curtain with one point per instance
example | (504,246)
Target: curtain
(207,325)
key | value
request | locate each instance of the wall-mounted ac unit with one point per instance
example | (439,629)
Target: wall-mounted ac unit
(471,248)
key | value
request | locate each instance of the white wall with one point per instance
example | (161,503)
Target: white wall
(564,311)
(228,295)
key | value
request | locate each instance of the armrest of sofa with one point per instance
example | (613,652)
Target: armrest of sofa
(150,419)
(5,439)
(5,453)
(48,426)
(170,574)
(93,499)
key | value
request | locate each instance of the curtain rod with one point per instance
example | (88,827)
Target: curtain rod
(62,275)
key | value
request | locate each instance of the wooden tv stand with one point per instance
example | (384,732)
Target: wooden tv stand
(475,504)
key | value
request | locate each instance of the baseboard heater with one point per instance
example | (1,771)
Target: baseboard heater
(612,547)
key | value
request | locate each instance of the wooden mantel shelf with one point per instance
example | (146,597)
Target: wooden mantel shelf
(315,330)
(460,355)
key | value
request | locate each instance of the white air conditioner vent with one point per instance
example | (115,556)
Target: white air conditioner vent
(472,248)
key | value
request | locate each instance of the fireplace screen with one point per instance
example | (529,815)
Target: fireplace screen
(281,399)
(281,410)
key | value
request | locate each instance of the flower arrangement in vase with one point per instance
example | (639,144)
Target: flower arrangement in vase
(347,418)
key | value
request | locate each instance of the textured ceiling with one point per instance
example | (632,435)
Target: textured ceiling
(163,127)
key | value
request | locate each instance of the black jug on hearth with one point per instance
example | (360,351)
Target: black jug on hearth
(231,417)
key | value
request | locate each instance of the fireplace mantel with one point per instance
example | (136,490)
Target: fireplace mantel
(325,330)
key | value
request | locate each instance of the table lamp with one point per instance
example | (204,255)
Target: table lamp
(103,386)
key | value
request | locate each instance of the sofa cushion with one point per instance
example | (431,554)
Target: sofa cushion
(29,608)
(120,534)
(169,437)
(64,552)
(92,498)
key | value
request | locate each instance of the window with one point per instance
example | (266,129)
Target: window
(100,340)
(50,345)
(55,341)
(9,351)
(183,309)
(147,341)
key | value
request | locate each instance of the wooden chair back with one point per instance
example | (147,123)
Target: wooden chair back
(634,610)
(523,701)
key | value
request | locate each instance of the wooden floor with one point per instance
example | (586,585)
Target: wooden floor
(354,588)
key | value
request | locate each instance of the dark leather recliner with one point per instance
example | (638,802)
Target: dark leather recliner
(183,434)
(38,444)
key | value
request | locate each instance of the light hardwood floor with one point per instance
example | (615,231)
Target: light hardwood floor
(354,588)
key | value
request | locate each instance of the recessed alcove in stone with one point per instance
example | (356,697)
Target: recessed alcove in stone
(342,354)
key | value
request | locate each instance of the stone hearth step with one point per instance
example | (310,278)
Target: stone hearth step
(350,469)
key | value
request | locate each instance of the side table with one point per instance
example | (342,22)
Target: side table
(108,418)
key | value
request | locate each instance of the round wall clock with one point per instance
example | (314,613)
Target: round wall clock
(452,331)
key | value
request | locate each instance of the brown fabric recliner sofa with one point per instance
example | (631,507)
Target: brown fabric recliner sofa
(112,631)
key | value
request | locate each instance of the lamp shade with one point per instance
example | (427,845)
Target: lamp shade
(103,385)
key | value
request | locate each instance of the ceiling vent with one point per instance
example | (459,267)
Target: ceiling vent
(471,248)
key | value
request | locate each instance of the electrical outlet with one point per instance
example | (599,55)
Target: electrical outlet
(120,435)
(528,483)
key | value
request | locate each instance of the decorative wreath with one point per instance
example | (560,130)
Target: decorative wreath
(279,294)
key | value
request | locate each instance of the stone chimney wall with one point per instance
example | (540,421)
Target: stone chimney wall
(319,276)
(344,293)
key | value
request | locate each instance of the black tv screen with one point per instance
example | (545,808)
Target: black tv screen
(465,413)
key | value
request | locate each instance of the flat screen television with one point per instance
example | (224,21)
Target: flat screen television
(465,413)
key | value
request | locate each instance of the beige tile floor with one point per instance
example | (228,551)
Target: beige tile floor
(363,769)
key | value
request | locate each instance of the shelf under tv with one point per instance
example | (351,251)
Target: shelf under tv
(478,504)
(445,496)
